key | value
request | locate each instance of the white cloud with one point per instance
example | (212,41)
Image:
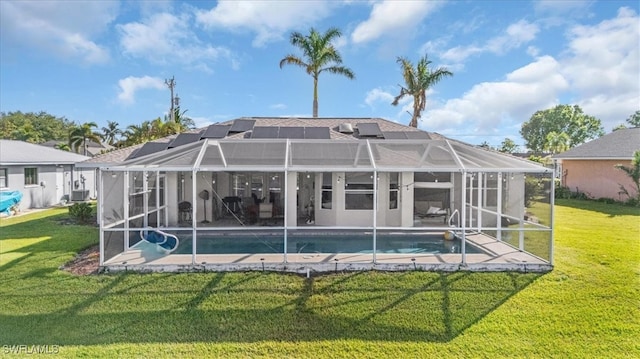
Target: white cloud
(61,28)
(603,65)
(516,35)
(201,122)
(167,38)
(130,85)
(278,106)
(268,20)
(377,95)
(388,17)
(488,105)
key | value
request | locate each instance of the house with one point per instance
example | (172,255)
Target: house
(45,176)
(590,167)
(318,194)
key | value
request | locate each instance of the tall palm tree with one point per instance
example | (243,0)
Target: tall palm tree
(110,132)
(319,55)
(417,81)
(80,134)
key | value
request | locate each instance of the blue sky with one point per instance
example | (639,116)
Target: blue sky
(100,61)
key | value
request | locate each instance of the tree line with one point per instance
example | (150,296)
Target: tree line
(71,136)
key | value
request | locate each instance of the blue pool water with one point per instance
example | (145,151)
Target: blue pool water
(348,243)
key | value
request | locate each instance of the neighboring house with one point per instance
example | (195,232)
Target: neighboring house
(590,167)
(298,194)
(92,148)
(45,176)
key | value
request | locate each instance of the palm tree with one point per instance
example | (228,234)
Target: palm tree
(319,55)
(417,81)
(110,132)
(80,134)
(136,134)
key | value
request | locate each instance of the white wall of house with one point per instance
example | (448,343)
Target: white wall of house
(54,184)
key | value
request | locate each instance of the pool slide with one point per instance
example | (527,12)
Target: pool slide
(165,241)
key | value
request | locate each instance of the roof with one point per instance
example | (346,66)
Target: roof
(619,145)
(19,153)
(326,144)
(333,124)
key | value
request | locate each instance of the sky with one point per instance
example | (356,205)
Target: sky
(100,61)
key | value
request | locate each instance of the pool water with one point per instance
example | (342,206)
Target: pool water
(257,243)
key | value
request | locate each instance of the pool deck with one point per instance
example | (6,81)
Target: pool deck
(497,256)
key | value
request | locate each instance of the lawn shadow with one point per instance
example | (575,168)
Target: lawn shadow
(357,306)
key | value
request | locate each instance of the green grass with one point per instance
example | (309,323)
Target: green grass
(588,307)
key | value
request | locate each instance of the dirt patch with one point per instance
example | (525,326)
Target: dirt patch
(85,262)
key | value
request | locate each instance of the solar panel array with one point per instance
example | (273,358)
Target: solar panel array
(241,126)
(369,130)
(216,131)
(365,130)
(316,133)
(149,148)
(185,138)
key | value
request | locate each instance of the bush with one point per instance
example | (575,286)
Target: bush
(565,193)
(81,212)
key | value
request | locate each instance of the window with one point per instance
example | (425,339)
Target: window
(358,189)
(393,190)
(4,181)
(327,190)
(30,176)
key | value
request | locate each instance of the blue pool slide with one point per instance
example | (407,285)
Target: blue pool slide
(165,241)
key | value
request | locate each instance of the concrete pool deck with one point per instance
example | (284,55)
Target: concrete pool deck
(496,256)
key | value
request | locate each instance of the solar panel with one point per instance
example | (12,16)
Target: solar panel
(394,135)
(369,130)
(316,133)
(185,138)
(241,126)
(291,132)
(265,132)
(216,131)
(417,135)
(149,148)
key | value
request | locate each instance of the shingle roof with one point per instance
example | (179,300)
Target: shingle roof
(333,124)
(619,144)
(20,152)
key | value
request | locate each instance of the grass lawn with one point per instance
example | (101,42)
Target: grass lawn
(588,307)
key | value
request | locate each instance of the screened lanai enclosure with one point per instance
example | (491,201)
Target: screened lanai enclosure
(306,205)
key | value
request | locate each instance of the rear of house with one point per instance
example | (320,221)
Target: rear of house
(321,194)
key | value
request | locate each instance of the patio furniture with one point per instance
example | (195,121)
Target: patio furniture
(184,212)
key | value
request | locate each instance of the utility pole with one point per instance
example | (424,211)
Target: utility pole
(171,83)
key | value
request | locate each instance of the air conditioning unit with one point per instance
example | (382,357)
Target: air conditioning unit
(78,196)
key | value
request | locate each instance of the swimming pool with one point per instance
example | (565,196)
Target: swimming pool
(335,243)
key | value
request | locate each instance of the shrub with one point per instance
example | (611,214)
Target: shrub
(81,212)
